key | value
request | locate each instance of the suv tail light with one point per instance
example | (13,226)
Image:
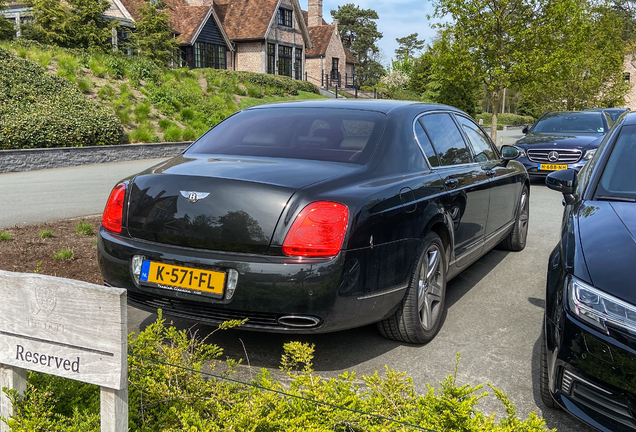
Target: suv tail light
(114,211)
(318,231)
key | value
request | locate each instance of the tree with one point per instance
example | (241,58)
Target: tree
(491,40)
(70,24)
(7,28)
(359,33)
(584,67)
(153,35)
(408,46)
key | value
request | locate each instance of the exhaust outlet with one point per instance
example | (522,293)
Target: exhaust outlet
(299,321)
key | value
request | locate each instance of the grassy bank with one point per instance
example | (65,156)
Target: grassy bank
(152,104)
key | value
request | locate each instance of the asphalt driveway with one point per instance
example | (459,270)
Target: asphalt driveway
(493,316)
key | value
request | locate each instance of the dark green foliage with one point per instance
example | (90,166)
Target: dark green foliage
(42,110)
(171,388)
(70,24)
(7,28)
(359,32)
(408,46)
(152,37)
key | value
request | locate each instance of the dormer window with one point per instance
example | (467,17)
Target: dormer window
(284,17)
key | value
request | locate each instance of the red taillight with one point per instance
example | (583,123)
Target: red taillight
(318,230)
(114,211)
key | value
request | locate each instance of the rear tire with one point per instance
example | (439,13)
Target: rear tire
(418,317)
(544,381)
(516,240)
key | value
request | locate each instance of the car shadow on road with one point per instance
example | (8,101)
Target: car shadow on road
(336,351)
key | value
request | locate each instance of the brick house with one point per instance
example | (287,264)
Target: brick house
(328,59)
(265,36)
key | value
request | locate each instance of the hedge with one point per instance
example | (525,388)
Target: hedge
(172,388)
(506,119)
(289,86)
(42,110)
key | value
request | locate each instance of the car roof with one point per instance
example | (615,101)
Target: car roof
(629,118)
(379,105)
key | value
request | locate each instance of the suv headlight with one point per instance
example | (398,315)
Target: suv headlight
(589,154)
(598,308)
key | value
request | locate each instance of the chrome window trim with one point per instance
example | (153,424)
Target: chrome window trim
(450,113)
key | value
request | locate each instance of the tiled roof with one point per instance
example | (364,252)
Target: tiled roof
(184,19)
(350,57)
(245,19)
(320,37)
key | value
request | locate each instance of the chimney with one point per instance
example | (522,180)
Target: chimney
(315,13)
(335,23)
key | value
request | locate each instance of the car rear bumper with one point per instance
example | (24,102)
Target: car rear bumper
(591,375)
(276,294)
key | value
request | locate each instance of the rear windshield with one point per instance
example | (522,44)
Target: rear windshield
(325,134)
(571,122)
(618,179)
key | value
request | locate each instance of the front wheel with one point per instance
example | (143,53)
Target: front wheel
(418,317)
(516,240)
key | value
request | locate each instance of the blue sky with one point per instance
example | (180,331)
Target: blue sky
(398,18)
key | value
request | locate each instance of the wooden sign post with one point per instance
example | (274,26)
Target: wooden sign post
(69,329)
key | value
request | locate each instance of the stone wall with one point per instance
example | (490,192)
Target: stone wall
(36,159)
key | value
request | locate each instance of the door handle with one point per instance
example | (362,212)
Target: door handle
(490,173)
(451,182)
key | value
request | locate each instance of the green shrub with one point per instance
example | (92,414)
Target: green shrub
(172,134)
(32,101)
(141,135)
(85,85)
(164,124)
(171,388)
(5,236)
(96,65)
(46,234)
(63,255)
(84,228)
(142,112)
(106,92)
(187,114)
(254,92)
(190,134)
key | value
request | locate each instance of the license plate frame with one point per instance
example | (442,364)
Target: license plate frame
(551,167)
(183,279)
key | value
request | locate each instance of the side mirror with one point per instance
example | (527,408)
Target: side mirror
(563,181)
(509,152)
(524,130)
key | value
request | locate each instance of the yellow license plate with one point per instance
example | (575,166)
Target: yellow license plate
(183,278)
(552,167)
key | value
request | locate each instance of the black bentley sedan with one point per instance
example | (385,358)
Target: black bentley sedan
(588,355)
(562,140)
(315,217)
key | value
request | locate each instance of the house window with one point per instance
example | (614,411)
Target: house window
(284,17)
(284,60)
(298,64)
(209,56)
(627,76)
(334,67)
(271,58)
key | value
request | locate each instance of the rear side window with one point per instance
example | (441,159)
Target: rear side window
(327,134)
(426,145)
(479,141)
(446,139)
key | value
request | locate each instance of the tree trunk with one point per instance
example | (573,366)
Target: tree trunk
(495,115)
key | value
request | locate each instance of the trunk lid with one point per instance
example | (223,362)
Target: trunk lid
(222,204)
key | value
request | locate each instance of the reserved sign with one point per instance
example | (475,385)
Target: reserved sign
(64,327)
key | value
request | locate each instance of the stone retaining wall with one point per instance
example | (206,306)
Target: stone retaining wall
(36,159)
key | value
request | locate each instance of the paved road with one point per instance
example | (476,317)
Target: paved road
(493,317)
(54,194)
